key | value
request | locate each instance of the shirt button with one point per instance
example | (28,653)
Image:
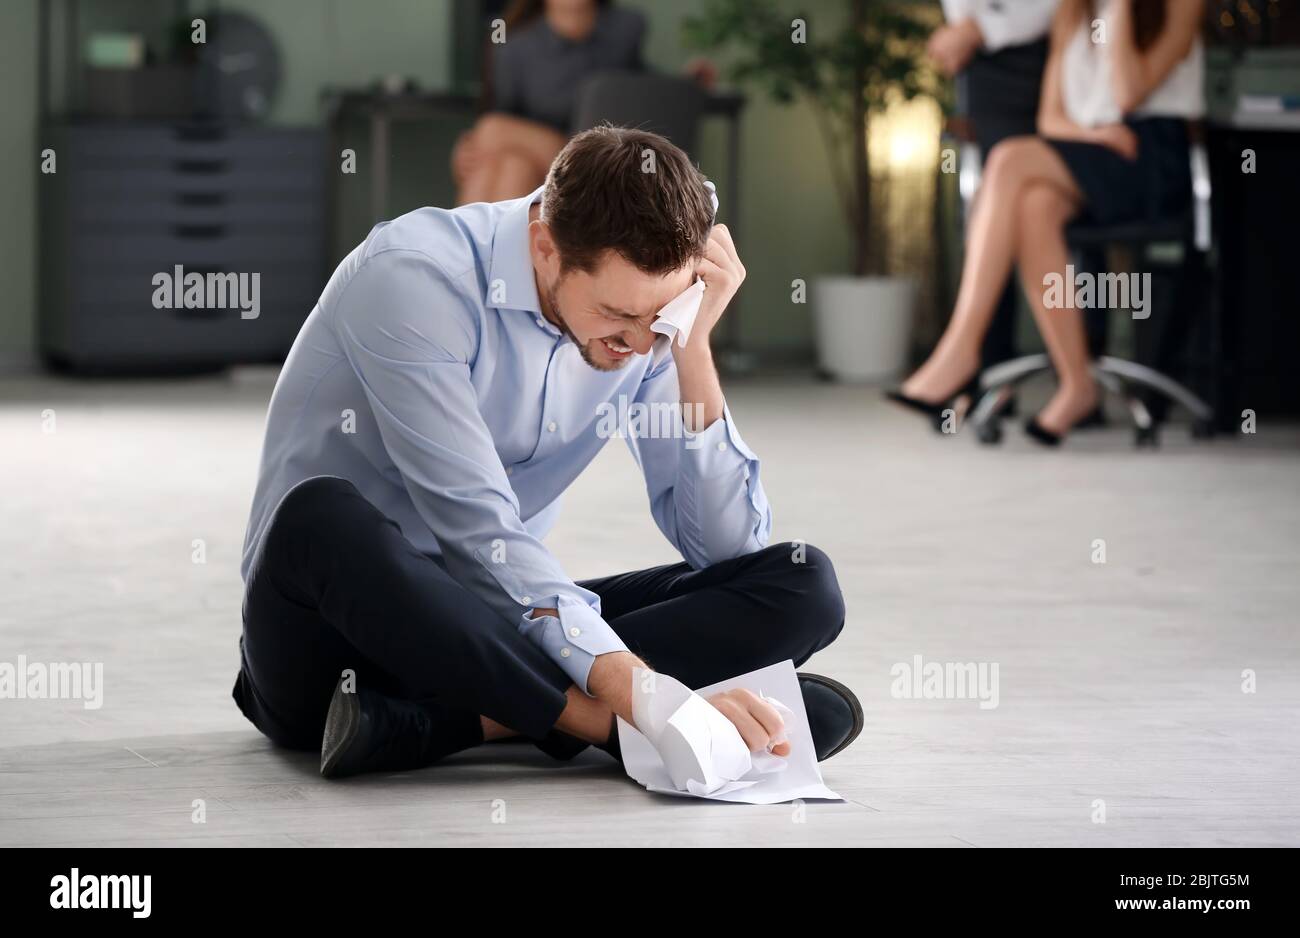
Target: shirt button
(575,631)
(510,470)
(552,426)
(564,652)
(526,600)
(721,447)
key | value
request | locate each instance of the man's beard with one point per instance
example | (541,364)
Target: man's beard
(583,350)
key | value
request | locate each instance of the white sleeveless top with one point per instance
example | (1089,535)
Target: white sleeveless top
(1089,96)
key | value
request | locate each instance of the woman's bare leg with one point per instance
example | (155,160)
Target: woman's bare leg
(1044,212)
(515,176)
(539,143)
(502,157)
(991,246)
(479,181)
(502,175)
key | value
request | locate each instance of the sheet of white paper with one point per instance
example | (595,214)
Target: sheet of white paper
(701,751)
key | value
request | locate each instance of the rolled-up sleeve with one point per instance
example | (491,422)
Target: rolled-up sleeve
(704,488)
(410,336)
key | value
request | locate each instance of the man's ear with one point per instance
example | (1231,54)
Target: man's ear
(542,246)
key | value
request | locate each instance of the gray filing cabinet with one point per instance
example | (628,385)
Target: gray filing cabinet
(130,201)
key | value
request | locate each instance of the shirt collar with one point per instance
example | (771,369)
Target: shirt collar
(512,264)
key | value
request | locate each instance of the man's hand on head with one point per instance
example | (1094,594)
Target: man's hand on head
(722,273)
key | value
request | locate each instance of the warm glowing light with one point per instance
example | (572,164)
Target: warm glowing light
(905,138)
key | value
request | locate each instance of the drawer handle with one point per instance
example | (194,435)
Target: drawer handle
(200,132)
(200,198)
(200,166)
(199,232)
(200,312)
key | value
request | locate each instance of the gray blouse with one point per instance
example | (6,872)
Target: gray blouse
(536,73)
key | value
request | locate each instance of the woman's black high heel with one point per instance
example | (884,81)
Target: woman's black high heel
(1040,434)
(934,412)
(937,413)
(1095,420)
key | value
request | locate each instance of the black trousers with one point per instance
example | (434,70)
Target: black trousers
(335,585)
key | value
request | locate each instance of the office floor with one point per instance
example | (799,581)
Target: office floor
(1120,683)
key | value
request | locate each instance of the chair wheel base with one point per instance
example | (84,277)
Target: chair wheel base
(989,433)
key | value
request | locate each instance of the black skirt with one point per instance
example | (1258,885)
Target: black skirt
(1157,186)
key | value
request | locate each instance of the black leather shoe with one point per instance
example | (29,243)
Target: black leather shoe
(365,731)
(834,714)
(1040,434)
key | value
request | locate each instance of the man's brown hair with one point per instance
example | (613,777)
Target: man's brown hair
(629,191)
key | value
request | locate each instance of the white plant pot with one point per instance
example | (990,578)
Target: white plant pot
(863,327)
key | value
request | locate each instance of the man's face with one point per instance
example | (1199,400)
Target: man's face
(607,312)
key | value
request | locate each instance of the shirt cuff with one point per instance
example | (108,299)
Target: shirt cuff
(717,449)
(574,640)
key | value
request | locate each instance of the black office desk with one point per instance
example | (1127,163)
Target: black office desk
(1257,295)
(381,110)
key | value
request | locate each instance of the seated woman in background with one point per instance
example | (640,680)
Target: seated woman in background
(550,47)
(1123,77)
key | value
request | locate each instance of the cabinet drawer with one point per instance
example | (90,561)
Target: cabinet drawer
(161,252)
(190,215)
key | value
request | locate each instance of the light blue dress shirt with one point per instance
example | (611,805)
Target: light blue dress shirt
(428,377)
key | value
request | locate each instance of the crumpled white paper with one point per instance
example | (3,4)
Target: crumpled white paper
(678,317)
(687,747)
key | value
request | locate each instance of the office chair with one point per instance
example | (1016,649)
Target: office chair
(1141,386)
(663,104)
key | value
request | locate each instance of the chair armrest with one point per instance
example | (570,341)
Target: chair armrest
(1202,191)
(970,171)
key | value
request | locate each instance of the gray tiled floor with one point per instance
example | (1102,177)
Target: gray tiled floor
(1119,682)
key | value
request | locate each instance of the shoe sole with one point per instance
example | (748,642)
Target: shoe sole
(859,719)
(342,722)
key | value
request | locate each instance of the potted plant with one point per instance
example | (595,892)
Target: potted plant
(847,68)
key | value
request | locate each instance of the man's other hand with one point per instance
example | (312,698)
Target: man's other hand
(756,719)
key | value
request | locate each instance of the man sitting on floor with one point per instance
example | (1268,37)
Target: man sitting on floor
(450,384)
